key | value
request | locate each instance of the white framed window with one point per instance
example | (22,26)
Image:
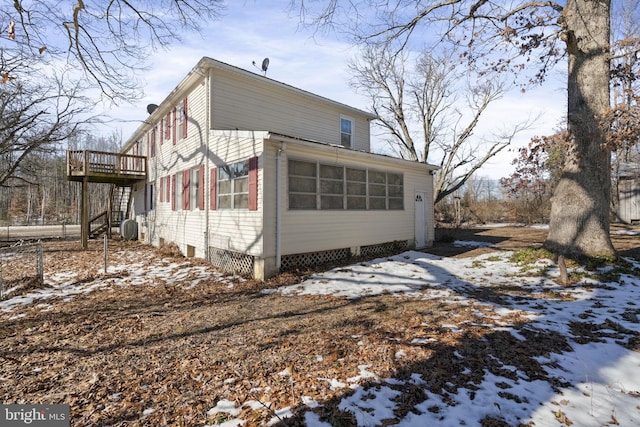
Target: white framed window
(195,189)
(180,122)
(346,132)
(233,186)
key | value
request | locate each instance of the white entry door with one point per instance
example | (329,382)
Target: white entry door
(421,219)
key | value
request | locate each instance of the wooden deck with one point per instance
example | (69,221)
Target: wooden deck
(100,166)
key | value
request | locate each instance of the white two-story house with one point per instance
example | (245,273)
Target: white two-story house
(256,176)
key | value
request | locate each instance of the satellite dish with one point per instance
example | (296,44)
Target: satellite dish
(151,108)
(265,65)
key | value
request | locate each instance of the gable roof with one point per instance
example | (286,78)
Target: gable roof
(200,70)
(207,62)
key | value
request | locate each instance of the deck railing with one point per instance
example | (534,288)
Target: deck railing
(93,163)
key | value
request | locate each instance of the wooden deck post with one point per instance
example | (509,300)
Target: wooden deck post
(84,213)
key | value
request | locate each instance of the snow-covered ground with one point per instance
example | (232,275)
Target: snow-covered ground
(596,381)
(602,378)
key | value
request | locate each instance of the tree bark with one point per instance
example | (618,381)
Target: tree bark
(579,222)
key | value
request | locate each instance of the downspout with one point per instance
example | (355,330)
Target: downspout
(282,148)
(207,182)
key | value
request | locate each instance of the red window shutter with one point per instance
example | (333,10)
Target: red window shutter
(173,193)
(161,131)
(161,189)
(167,188)
(201,187)
(253,184)
(173,126)
(186,186)
(213,184)
(184,118)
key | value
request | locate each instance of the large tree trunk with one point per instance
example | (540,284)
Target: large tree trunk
(579,223)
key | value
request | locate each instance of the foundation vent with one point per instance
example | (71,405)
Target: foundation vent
(314,258)
(231,262)
(384,248)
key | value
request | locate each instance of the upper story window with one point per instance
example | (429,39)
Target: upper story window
(181,120)
(346,132)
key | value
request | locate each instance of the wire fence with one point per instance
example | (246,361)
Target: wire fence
(21,269)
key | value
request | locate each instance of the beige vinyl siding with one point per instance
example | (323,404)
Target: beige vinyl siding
(182,227)
(238,230)
(249,104)
(316,230)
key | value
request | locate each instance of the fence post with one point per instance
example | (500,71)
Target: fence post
(105,254)
(40,263)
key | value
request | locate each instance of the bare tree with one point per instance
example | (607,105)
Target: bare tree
(427,115)
(35,117)
(515,36)
(108,40)
(53,53)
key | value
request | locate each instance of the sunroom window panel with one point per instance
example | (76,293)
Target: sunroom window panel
(331,187)
(396,203)
(302,201)
(377,177)
(302,168)
(302,185)
(377,203)
(331,202)
(359,175)
(395,191)
(394,179)
(331,172)
(356,202)
(356,189)
(377,190)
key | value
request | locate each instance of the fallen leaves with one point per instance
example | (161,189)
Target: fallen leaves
(145,348)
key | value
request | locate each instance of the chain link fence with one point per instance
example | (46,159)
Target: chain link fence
(21,269)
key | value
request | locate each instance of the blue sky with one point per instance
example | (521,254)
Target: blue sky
(251,30)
